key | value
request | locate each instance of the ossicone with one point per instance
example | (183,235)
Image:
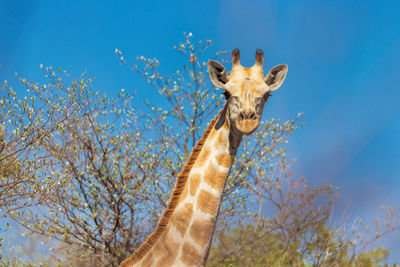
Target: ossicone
(236,56)
(259,57)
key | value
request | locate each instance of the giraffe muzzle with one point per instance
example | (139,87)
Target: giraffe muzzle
(247,115)
(247,122)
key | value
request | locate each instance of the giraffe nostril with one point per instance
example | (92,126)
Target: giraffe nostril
(247,115)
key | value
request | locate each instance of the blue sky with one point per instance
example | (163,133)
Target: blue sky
(342,58)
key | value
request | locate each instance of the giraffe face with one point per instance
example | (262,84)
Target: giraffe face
(246,89)
(245,103)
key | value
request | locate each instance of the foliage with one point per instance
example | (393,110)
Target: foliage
(299,234)
(267,248)
(102,171)
(24,123)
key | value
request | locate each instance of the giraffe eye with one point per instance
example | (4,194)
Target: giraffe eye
(226,94)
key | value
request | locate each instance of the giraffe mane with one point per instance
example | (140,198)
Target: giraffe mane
(180,183)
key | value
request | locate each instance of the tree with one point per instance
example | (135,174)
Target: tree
(24,123)
(109,169)
(300,233)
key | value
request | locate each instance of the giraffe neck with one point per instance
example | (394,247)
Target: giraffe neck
(187,236)
(192,226)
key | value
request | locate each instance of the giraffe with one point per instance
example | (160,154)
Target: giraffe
(184,232)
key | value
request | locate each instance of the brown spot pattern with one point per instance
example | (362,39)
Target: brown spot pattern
(212,133)
(181,218)
(190,255)
(224,160)
(203,157)
(215,178)
(194,183)
(207,202)
(167,250)
(184,193)
(201,232)
(221,142)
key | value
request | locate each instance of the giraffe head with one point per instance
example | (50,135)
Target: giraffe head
(246,89)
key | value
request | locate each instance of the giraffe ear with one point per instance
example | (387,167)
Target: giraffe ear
(221,119)
(276,76)
(217,73)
